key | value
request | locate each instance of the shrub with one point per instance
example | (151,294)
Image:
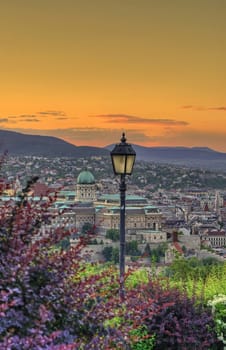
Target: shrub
(113,234)
(40,303)
(111,254)
(173,318)
(169,319)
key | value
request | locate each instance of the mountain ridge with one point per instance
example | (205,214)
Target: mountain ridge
(201,157)
(22,144)
(18,144)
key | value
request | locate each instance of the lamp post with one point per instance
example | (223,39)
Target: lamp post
(123,159)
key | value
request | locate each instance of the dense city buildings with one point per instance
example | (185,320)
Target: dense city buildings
(160,201)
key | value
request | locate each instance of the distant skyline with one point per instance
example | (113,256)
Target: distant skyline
(86,70)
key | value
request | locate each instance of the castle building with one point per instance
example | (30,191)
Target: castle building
(104,211)
(137,218)
(74,209)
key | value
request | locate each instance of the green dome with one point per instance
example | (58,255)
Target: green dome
(85,177)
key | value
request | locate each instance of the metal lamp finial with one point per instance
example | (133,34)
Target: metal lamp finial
(123,139)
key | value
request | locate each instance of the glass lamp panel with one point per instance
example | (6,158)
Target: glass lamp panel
(119,163)
(129,164)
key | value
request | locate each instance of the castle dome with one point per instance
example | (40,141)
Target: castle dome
(85,177)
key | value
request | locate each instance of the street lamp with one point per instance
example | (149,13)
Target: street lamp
(123,159)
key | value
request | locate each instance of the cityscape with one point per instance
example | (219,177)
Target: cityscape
(182,207)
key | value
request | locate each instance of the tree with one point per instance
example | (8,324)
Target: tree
(111,254)
(147,250)
(132,248)
(107,253)
(183,269)
(158,252)
(112,234)
(115,255)
(88,228)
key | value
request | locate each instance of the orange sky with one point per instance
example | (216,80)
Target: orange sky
(86,70)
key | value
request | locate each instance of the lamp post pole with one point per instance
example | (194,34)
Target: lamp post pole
(122,189)
(123,158)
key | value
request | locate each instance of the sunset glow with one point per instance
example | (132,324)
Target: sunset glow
(86,70)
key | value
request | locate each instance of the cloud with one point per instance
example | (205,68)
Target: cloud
(221,108)
(30,120)
(201,108)
(59,115)
(29,116)
(62,118)
(24,118)
(131,119)
(90,136)
(187,107)
(193,138)
(194,108)
(101,134)
(4,120)
(52,113)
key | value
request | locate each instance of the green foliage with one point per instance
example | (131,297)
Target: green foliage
(182,269)
(111,254)
(64,244)
(206,278)
(219,311)
(184,249)
(157,253)
(142,339)
(147,250)
(132,248)
(87,228)
(113,234)
(93,241)
(89,269)
(114,322)
(137,277)
(107,253)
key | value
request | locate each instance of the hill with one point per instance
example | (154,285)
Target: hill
(178,153)
(194,156)
(47,146)
(34,145)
